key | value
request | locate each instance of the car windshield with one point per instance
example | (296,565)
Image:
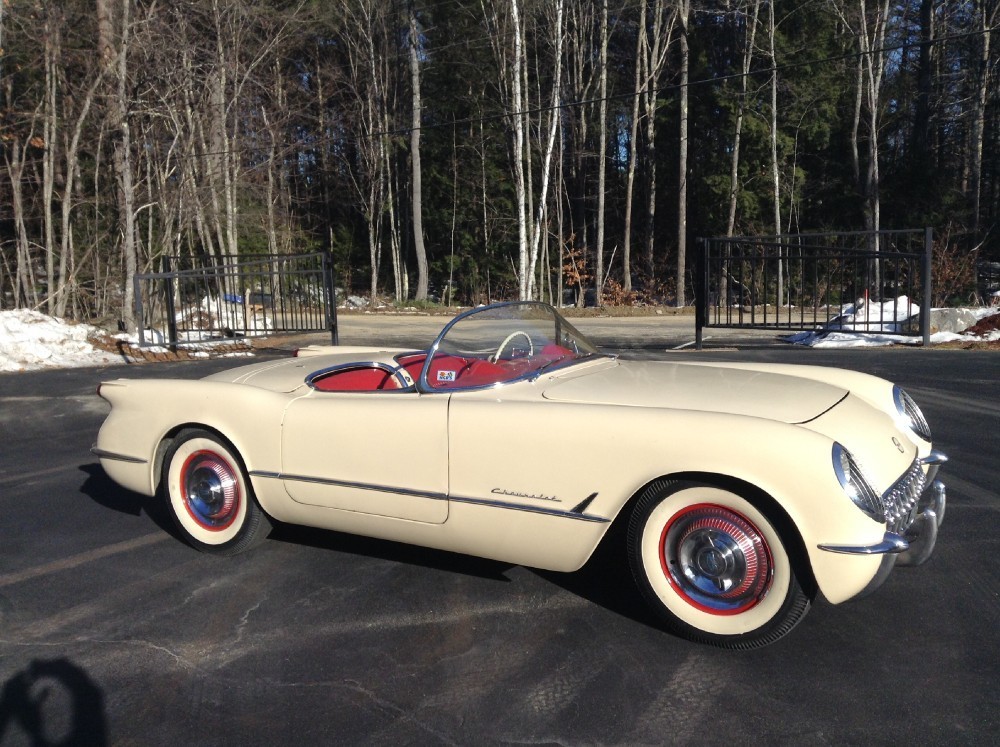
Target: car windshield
(502,343)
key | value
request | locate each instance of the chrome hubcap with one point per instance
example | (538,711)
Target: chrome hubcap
(211,490)
(716,559)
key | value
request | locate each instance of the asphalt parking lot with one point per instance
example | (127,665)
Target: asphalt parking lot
(114,631)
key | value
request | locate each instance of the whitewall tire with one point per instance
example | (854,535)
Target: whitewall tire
(209,495)
(713,565)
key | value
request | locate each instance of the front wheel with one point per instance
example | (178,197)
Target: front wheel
(713,566)
(209,495)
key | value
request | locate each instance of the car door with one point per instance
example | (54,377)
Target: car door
(526,453)
(380,453)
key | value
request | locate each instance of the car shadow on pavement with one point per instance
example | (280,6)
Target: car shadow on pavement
(397,552)
(606,580)
(105,492)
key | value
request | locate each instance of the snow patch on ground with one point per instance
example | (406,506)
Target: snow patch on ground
(868,324)
(31,340)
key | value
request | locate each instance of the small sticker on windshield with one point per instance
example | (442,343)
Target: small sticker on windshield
(446,376)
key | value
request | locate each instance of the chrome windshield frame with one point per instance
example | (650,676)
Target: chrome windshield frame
(423,384)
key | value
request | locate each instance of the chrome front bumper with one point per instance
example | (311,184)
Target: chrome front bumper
(916,543)
(911,547)
(921,535)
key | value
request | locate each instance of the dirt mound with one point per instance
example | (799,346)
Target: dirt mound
(132,353)
(984,326)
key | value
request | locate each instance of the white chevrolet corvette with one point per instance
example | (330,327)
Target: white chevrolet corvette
(743,489)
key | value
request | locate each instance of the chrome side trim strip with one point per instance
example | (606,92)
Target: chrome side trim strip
(891,543)
(105,454)
(348,484)
(430,495)
(530,509)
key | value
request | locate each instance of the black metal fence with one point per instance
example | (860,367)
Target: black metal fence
(194,301)
(863,282)
(988,282)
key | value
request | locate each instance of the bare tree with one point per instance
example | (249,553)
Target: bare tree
(369,82)
(657,52)
(554,115)
(987,13)
(748,49)
(581,75)
(602,155)
(519,155)
(415,175)
(684,16)
(775,173)
(633,145)
(114,39)
(869,26)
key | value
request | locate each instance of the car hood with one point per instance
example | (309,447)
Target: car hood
(688,386)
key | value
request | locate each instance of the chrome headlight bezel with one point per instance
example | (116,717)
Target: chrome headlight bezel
(909,414)
(855,485)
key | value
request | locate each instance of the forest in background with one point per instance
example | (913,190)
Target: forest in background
(476,150)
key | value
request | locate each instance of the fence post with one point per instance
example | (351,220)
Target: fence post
(701,292)
(139,320)
(925,306)
(331,298)
(168,287)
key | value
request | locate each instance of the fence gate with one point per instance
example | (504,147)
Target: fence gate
(227,296)
(810,281)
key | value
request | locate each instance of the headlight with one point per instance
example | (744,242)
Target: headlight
(857,488)
(909,415)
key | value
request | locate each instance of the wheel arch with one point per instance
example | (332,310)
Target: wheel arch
(171,435)
(759,498)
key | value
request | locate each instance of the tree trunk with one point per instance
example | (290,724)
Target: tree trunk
(657,59)
(539,226)
(415,186)
(986,17)
(24,283)
(640,58)
(775,174)
(72,165)
(685,11)
(113,56)
(518,155)
(50,126)
(734,164)
(602,155)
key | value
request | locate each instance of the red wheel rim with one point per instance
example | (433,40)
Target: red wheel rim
(210,489)
(716,559)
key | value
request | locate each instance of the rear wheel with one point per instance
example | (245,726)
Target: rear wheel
(713,566)
(209,495)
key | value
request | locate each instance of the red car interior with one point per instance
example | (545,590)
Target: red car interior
(446,371)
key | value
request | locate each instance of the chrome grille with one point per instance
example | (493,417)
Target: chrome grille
(900,499)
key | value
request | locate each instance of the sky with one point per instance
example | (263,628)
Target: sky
(30,340)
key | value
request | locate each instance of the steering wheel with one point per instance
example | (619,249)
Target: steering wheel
(508,339)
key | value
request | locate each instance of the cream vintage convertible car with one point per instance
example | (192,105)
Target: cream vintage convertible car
(743,489)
